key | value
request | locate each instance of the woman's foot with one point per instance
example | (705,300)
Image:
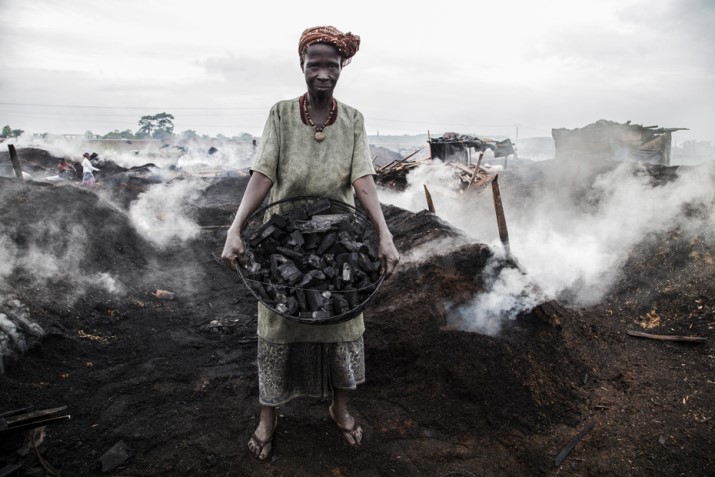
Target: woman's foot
(261,443)
(352,432)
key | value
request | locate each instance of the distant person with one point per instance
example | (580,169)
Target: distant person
(87,171)
(65,170)
(310,133)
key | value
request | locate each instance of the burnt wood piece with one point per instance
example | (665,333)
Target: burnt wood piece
(321,223)
(15,162)
(290,273)
(314,261)
(327,242)
(687,339)
(314,299)
(261,235)
(296,239)
(31,420)
(350,294)
(261,290)
(289,252)
(312,241)
(572,443)
(312,279)
(302,300)
(347,272)
(318,206)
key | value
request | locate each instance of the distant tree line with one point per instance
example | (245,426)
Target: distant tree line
(7,132)
(158,126)
(161,126)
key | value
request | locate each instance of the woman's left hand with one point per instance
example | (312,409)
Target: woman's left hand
(388,255)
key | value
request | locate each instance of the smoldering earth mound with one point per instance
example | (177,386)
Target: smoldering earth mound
(175,380)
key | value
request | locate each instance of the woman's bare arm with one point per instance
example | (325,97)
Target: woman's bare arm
(366,193)
(256,191)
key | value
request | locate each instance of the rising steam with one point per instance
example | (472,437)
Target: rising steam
(572,233)
(160,213)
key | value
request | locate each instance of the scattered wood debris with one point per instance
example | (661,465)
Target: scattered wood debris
(19,420)
(572,443)
(687,339)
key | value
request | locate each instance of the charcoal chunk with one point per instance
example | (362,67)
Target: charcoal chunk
(311,262)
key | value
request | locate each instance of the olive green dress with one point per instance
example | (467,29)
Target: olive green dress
(297,359)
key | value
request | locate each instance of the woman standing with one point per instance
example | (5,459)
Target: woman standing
(311,145)
(87,170)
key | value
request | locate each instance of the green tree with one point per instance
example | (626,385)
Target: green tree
(6,132)
(117,134)
(17,132)
(189,135)
(158,126)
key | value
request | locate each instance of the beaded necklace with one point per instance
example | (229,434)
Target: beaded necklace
(319,134)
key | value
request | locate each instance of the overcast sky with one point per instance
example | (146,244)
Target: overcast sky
(471,67)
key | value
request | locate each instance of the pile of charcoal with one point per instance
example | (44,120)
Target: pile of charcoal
(313,265)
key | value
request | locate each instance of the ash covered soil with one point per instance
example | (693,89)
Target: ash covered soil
(175,380)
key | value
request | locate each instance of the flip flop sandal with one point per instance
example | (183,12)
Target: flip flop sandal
(354,432)
(259,444)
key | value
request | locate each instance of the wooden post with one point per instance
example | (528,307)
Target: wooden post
(430,205)
(15,161)
(476,170)
(501,220)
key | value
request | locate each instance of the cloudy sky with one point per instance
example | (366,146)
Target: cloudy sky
(472,67)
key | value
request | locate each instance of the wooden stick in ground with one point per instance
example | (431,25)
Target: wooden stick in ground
(501,219)
(572,443)
(430,205)
(15,161)
(475,174)
(688,339)
(479,161)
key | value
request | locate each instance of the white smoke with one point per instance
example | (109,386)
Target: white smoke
(15,329)
(160,213)
(573,249)
(510,293)
(57,264)
(191,156)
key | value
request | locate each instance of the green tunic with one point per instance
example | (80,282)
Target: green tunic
(298,165)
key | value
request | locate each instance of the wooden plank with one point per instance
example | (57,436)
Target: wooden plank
(687,339)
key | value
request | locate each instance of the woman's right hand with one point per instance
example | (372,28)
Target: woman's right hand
(233,250)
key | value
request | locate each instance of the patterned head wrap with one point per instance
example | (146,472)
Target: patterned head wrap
(346,43)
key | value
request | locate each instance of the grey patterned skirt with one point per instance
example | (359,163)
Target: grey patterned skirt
(290,370)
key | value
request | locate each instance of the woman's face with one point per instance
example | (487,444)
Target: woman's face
(321,65)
